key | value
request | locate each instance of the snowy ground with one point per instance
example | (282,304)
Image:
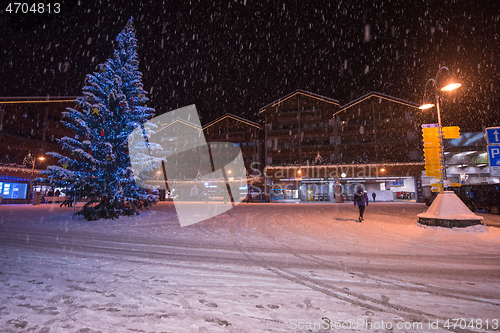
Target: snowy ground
(257,268)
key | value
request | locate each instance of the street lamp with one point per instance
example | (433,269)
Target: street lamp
(447,84)
(34,160)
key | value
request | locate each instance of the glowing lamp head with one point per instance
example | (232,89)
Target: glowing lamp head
(426,103)
(41,158)
(451,86)
(426,106)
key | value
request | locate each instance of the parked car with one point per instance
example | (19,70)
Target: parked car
(484,196)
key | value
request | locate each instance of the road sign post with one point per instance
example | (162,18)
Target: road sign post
(493,138)
(493,135)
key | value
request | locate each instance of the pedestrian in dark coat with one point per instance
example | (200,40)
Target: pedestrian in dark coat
(249,195)
(360,199)
(69,200)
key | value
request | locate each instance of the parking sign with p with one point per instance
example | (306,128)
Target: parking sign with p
(494,160)
(493,138)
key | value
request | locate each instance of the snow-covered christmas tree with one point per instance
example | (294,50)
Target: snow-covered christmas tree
(97,165)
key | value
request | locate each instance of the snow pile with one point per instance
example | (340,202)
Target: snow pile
(448,206)
(478,228)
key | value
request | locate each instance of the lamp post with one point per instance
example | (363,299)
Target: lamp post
(41,158)
(447,85)
(456,214)
(30,159)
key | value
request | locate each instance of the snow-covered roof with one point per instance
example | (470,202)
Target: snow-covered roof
(302,92)
(182,121)
(36,99)
(232,116)
(379,95)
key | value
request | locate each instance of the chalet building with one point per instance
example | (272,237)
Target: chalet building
(378,128)
(298,128)
(29,126)
(316,149)
(203,163)
(241,133)
(375,141)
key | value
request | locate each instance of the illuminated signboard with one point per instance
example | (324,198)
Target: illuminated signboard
(13,190)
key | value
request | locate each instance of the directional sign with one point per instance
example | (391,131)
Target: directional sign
(493,135)
(494,160)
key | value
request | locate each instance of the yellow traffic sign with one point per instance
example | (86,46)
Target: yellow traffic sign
(451,132)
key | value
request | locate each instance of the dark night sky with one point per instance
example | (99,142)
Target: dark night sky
(237,56)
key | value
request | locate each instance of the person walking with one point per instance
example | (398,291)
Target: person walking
(68,200)
(360,199)
(374,195)
(249,194)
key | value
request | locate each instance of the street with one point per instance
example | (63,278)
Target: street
(256,268)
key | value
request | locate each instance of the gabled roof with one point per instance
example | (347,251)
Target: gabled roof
(36,99)
(232,116)
(301,92)
(182,121)
(379,95)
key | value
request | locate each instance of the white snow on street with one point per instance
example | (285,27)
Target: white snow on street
(256,268)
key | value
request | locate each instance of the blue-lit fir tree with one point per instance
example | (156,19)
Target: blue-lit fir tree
(97,165)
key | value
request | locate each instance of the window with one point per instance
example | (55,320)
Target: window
(409,116)
(411,136)
(414,156)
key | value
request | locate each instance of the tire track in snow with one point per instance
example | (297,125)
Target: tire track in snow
(415,287)
(356,299)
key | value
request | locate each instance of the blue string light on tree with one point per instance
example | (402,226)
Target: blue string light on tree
(98,166)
